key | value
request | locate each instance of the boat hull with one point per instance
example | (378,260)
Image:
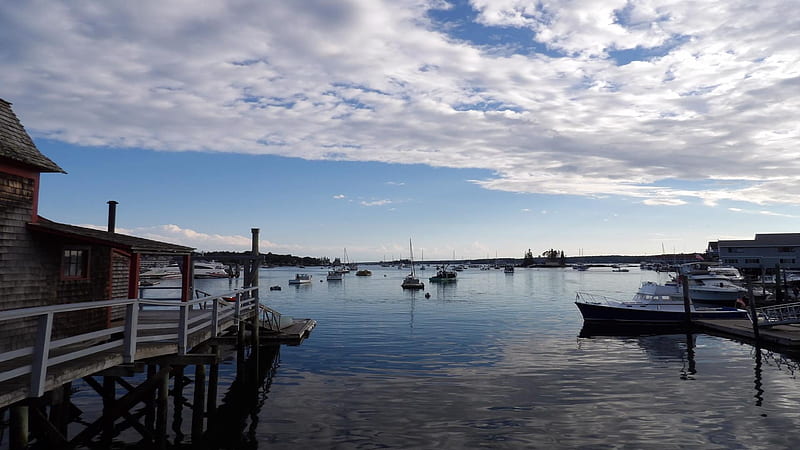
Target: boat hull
(640,314)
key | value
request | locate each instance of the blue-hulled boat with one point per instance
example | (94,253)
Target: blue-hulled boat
(653,303)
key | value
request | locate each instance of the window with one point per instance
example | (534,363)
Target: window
(786,249)
(752,261)
(75,264)
(735,250)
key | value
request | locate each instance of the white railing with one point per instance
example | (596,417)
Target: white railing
(778,314)
(45,353)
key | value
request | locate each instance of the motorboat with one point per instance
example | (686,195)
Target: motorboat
(202,269)
(582,267)
(443,275)
(211,269)
(335,275)
(363,273)
(652,303)
(301,278)
(707,285)
(508,269)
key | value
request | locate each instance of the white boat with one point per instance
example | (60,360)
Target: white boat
(652,303)
(508,269)
(411,281)
(334,275)
(202,269)
(706,286)
(210,269)
(301,278)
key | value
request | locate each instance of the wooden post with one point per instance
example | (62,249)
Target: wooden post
(18,438)
(213,381)
(161,415)
(187,279)
(150,402)
(751,304)
(183,329)
(41,353)
(60,407)
(198,406)
(129,337)
(109,396)
(687,301)
(778,284)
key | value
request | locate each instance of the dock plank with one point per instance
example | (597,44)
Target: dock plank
(783,335)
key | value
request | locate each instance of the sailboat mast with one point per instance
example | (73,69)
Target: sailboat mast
(411,252)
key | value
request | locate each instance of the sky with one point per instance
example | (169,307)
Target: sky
(475,128)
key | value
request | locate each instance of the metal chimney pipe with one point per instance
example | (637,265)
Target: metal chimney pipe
(112,215)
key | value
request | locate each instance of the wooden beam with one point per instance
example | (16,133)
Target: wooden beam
(53,436)
(123,405)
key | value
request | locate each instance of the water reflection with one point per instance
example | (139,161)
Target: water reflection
(234,423)
(660,343)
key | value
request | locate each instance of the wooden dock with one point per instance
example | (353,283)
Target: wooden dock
(784,336)
(161,337)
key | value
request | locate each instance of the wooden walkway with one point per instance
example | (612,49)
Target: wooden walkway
(785,336)
(150,329)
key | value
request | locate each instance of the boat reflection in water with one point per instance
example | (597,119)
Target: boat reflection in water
(660,342)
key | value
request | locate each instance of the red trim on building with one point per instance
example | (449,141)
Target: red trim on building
(133,276)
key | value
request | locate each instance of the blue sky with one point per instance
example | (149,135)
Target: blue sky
(476,127)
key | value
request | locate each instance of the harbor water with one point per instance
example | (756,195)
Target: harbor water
(501,360)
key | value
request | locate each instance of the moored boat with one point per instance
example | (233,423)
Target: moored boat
(411,281)
(652,303)
(335,275)
(363,273)
(443,275)
(301,278)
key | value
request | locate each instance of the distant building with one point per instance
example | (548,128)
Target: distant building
(766,250)
(46,263)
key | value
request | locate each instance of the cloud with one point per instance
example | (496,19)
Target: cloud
(175,234)
(339,196)
(700,97)
(376,203)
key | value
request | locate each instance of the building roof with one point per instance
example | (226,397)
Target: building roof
(17,145)
(768,239)
(116,240)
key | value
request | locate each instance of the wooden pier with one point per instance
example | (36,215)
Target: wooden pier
(158,337)
(786,336)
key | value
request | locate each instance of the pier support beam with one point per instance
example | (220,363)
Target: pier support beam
(18,439)
(198,403)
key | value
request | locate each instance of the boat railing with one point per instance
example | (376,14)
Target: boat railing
(598,299)
(769,316)
(122,337)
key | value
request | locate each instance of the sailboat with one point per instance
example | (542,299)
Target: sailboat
(411,281)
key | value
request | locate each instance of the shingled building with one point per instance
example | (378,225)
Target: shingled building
(44,262)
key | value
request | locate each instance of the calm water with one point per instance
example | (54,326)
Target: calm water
(496,361)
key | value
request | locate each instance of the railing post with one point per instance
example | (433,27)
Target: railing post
(215,317)
(238,312)
(41,353)
(183,329)
(131,328)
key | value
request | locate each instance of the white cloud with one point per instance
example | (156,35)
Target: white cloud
(376,203)
(339,196)
(377,81)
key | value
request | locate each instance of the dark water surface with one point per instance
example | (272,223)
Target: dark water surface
(497,361)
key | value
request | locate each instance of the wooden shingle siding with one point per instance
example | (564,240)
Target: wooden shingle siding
(120,271)
(26,278)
